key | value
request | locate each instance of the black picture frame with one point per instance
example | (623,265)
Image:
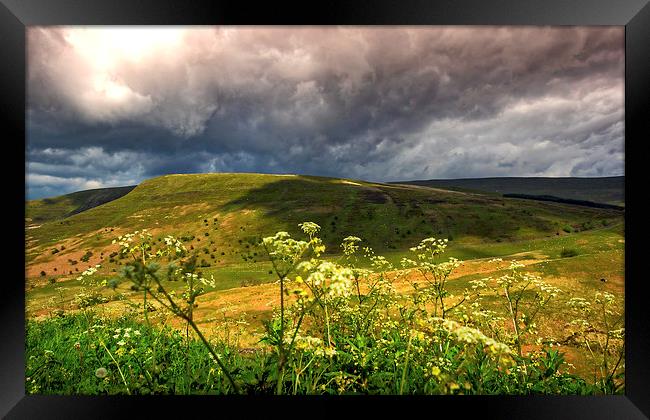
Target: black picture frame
(15,15)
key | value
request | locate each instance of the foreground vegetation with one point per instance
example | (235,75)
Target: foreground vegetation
(341,327)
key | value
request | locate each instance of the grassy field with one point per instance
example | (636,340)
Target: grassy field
(224,216)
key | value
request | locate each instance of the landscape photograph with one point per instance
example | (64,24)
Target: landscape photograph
(325,210)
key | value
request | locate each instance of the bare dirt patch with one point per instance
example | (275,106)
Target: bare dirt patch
(319,209)
(189,208)
(231,221)
(63,266)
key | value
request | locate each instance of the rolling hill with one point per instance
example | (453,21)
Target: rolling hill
(223,217)
(608,190)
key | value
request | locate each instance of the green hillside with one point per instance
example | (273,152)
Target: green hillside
(609,190)
(223,216)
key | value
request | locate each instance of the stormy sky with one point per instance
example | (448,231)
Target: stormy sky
(110,106)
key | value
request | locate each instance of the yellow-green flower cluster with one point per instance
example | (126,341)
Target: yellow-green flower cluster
(200,279)
(281,247)
(310,228)
(125,335)
(479,283)
(468,335)
(334,280)
(426,252)
(175,244)
(312,344)
(546,288)
(89,272)
(141,249)
(124,241)
(431,246)
(349,245)
(580,304)
(604,298)
(380,263)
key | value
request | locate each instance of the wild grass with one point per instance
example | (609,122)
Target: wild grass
(357,323)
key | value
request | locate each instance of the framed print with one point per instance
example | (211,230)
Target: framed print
(360,204)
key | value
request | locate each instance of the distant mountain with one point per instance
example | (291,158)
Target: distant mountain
(56,208)
(608,190)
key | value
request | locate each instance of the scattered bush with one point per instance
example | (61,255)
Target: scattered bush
(568,252)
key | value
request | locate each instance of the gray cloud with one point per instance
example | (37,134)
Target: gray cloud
(111,106)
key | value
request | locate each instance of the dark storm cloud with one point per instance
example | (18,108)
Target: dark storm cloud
(112,106)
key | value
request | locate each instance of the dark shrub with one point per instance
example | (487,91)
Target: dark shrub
(568,252)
